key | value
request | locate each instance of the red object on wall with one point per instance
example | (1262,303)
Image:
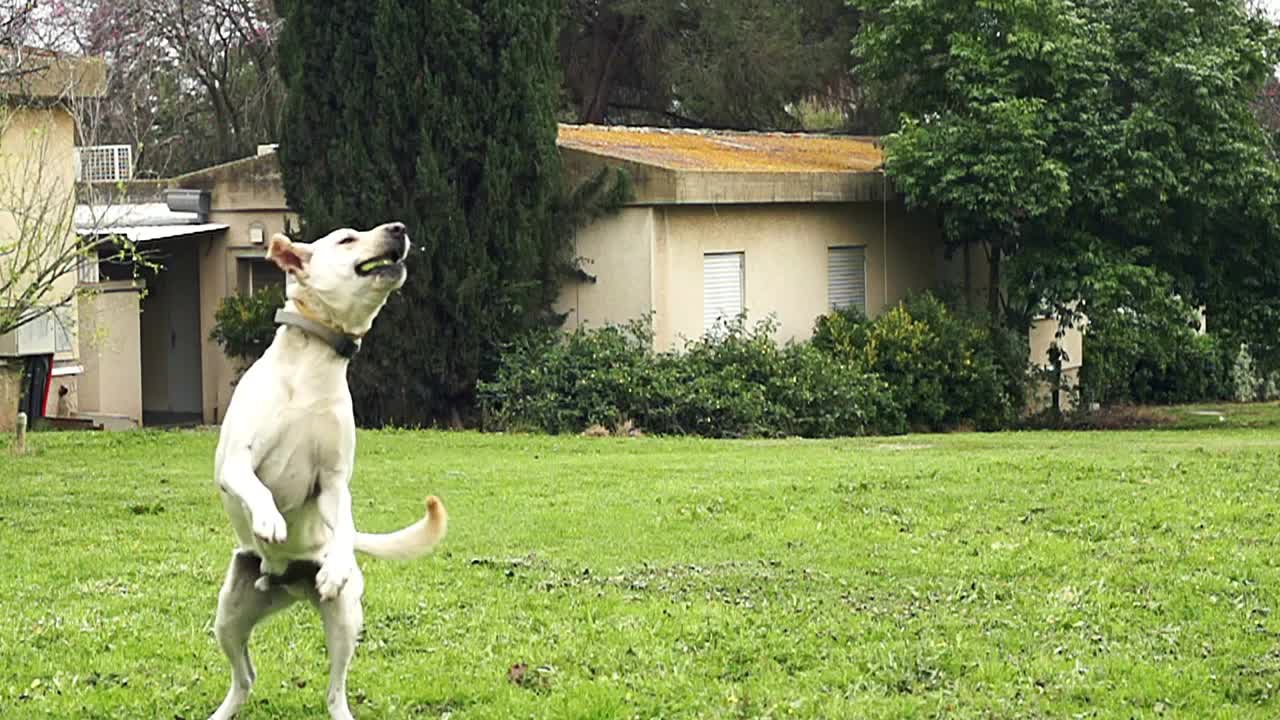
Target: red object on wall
(48,382)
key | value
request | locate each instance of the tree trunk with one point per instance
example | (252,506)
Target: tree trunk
(597,105)
(993,285)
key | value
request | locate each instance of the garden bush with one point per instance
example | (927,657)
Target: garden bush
(735,382)
(564,382)
(1142,346)
(244,325)
(1246,382)
(945,368)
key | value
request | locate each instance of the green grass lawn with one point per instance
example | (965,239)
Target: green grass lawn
(1021,575)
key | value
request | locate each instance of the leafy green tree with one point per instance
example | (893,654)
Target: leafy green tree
(440,114)
(1049,131)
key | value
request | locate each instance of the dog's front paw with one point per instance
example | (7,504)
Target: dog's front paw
(333,576)
(269,526)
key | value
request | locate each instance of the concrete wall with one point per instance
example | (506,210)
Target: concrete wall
(785,252)
(243,193)
(10,394)
(220,269)
(650,259)
(1043,334)
(48,75)
(110,351)
(617,251)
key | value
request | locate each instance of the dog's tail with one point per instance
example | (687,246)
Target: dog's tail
(410,542)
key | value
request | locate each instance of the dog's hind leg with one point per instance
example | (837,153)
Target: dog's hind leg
(240,607)
(343,616)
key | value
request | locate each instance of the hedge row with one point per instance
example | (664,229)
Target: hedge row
(917,366)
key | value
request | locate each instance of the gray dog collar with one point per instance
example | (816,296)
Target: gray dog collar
(343,344)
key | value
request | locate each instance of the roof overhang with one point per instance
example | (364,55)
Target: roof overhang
(90,217)
(148,233)
(140,222)
(653,185)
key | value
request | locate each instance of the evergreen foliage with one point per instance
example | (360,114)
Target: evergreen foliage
(439,114)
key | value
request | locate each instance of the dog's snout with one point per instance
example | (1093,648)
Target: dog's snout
(399,237)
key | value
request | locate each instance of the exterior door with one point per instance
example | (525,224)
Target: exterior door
(171,337)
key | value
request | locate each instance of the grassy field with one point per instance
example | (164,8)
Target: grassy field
(1021,575)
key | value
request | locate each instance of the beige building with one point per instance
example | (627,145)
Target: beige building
(765,224)
(780,225)
(37,196)
(788,226)
(205,231)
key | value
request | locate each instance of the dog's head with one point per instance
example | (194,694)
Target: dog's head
(344,278)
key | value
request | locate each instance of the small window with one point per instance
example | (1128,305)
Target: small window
(847,278)
(62,336)
(722,289)
(257,274)
(87,269)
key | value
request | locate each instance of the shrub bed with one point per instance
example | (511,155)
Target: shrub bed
(919,365)
(244,325)
(944,368)
(734,383)
(1142,346)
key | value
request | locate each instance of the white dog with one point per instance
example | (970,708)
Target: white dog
(286,452)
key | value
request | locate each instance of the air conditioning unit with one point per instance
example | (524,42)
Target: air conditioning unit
(46,335)
(199,202)
(103,163)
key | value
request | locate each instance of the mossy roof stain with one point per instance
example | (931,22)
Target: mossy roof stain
(718,151)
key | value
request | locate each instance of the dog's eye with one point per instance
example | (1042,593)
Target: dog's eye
(347,240)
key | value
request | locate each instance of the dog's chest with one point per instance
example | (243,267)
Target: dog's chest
(300,451)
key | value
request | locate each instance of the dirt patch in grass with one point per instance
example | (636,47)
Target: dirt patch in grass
(1225,416)
(1123,417)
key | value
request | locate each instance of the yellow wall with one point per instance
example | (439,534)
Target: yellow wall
(243,192)
(1043,334)
(651,259)
(37,170)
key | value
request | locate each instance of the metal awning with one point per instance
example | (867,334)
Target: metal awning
(131,214)
(145,233)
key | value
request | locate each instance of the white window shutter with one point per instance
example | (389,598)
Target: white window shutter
(721,287)
(847,277)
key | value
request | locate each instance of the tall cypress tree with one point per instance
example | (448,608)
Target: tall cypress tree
(440,114)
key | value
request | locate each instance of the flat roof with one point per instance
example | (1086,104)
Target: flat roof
(724,151)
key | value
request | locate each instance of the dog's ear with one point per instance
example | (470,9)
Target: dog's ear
(291,257)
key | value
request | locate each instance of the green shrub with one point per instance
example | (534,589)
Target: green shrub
(734,383)
(943,368)
(560,383)
(244,325)
(816,395)
(715,386)
(1141,345)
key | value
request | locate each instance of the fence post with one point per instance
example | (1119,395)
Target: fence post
(20,445)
